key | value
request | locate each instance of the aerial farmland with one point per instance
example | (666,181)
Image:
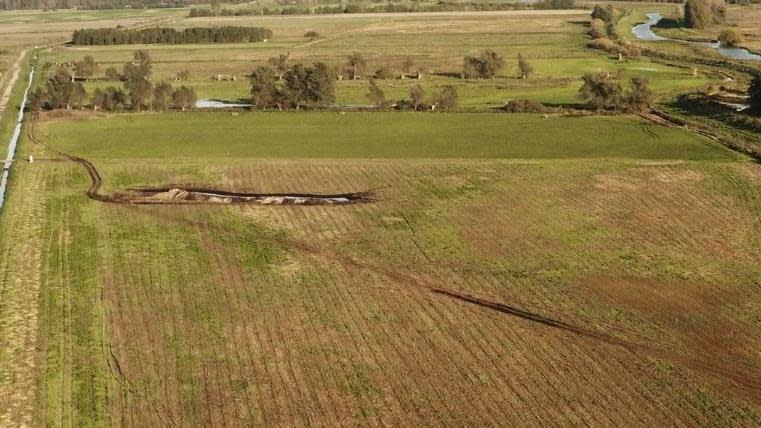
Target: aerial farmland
(361,214)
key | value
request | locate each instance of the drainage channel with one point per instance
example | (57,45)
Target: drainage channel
(15,138)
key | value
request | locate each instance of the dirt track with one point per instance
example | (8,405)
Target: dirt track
(721,368)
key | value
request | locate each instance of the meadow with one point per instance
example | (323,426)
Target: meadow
(554,43)
(334,135)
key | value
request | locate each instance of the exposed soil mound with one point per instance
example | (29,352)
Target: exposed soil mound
(191,195)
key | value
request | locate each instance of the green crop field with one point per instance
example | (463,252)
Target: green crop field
(573,268)
(374,135)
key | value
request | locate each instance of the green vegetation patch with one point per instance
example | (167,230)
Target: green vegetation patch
(375,135)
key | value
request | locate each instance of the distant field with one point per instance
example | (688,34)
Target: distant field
(554,42)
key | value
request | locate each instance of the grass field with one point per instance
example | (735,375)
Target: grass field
(553,41)
(365,314)
(374,135)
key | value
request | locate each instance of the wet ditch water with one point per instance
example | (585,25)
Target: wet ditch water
(9,159)
(644,31)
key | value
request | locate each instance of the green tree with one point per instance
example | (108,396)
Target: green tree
(86,68)
(140,92)
(417,96)
(600,91)
(98,99)
(63,92)
(697,14)
(640,96)
(140,67)
(136,74)
(38,100)
(607,13)
(279,64)
(112,74)
(321,86)
(264,90)
(115,99)
(162,96)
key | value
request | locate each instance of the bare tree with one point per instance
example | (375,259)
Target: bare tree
(417,96)
(376,95)
(525,69)
(355,65)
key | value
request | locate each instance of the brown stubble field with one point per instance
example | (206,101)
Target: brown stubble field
(567,299)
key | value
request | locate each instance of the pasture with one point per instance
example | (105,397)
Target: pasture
(554,42)
(494,279)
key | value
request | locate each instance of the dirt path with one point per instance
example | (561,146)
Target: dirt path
(11,83)
(713,366)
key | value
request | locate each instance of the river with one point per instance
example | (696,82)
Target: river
(14,139)
(644,31)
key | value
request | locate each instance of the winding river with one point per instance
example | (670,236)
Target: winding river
(644,31)
(14,140)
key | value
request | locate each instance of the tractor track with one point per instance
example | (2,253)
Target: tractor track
(745,378)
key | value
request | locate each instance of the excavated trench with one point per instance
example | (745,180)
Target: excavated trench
(178,194)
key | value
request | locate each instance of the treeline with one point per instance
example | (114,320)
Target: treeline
(442,6)
(445,99)
(93,4)
(123,36)
(63,90)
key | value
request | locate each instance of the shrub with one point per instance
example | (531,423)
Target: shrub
(525,106)
(383,72)
(484,66)
(597,28)
(731,37)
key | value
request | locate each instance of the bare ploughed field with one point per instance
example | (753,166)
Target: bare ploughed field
(469,293)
